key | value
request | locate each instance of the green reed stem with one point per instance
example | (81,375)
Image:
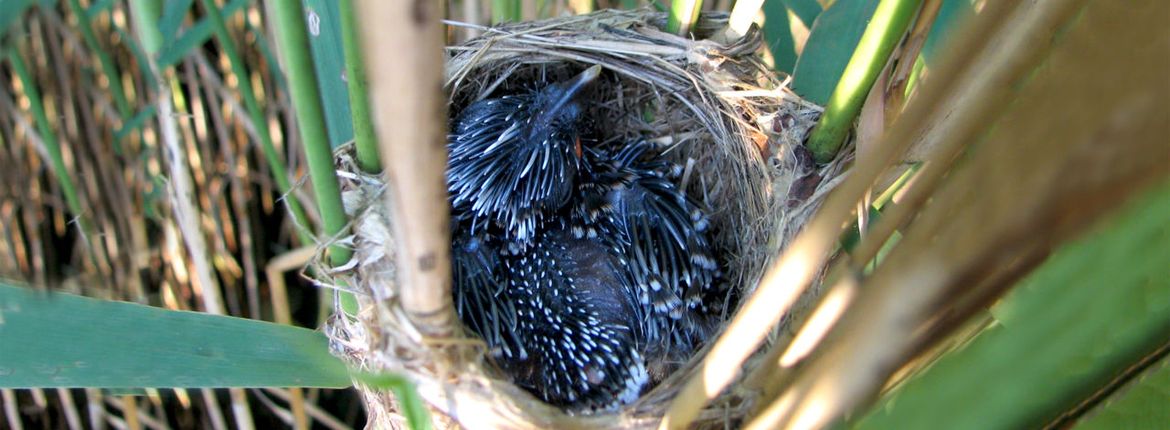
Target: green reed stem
(890,21)
(293,42)
(683,15)
(359,100)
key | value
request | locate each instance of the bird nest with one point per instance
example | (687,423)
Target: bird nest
(714,107)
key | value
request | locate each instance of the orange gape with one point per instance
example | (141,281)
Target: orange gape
(578,147)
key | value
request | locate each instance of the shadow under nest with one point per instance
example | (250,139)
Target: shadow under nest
(713,108)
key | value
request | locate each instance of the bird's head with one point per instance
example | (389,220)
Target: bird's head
(558,107)
(515,159)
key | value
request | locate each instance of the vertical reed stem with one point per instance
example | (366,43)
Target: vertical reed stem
(885,30)
(359,99)
(293,40)
(407,89)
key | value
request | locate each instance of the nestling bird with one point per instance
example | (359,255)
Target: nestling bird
(580,341)
(481,297)
(583,268)
(514,159)
(629,200)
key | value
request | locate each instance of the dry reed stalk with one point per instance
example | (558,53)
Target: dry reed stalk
(907,56)
(901,138)
(956,257)
(411,125)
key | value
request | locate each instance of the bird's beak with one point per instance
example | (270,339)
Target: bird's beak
(575,87)
(582,81)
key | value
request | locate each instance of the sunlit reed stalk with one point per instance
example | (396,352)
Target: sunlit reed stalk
(271,155)
(412,139)
(885,30)
(293,40)
(742,16)
(359,101)
(581,6)
(682,17)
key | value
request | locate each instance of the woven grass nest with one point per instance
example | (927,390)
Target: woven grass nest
(723,115)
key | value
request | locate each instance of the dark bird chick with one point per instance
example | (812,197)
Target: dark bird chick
(578,324)
(482,299)
(610,295)
(515,159)
(582,270)
(630,200)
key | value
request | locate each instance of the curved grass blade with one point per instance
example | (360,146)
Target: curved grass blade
(136,122)
(173,13)
(11,11)
(215,18)
(174,49)
(49,136)
(61,340)
(411,404)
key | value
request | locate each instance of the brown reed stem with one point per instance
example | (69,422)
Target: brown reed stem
(407,90)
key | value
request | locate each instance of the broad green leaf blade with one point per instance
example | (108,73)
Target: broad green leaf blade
(11,11)
(951,16)
(778,24)
(60,340)
(324,25)
(831,43)
(172,17)
(1144,404)
(1095,307)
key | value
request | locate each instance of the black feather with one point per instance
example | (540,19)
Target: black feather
(577,318)
(480,292)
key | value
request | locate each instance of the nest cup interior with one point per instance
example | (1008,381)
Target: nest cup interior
(724,169)
(713,108)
